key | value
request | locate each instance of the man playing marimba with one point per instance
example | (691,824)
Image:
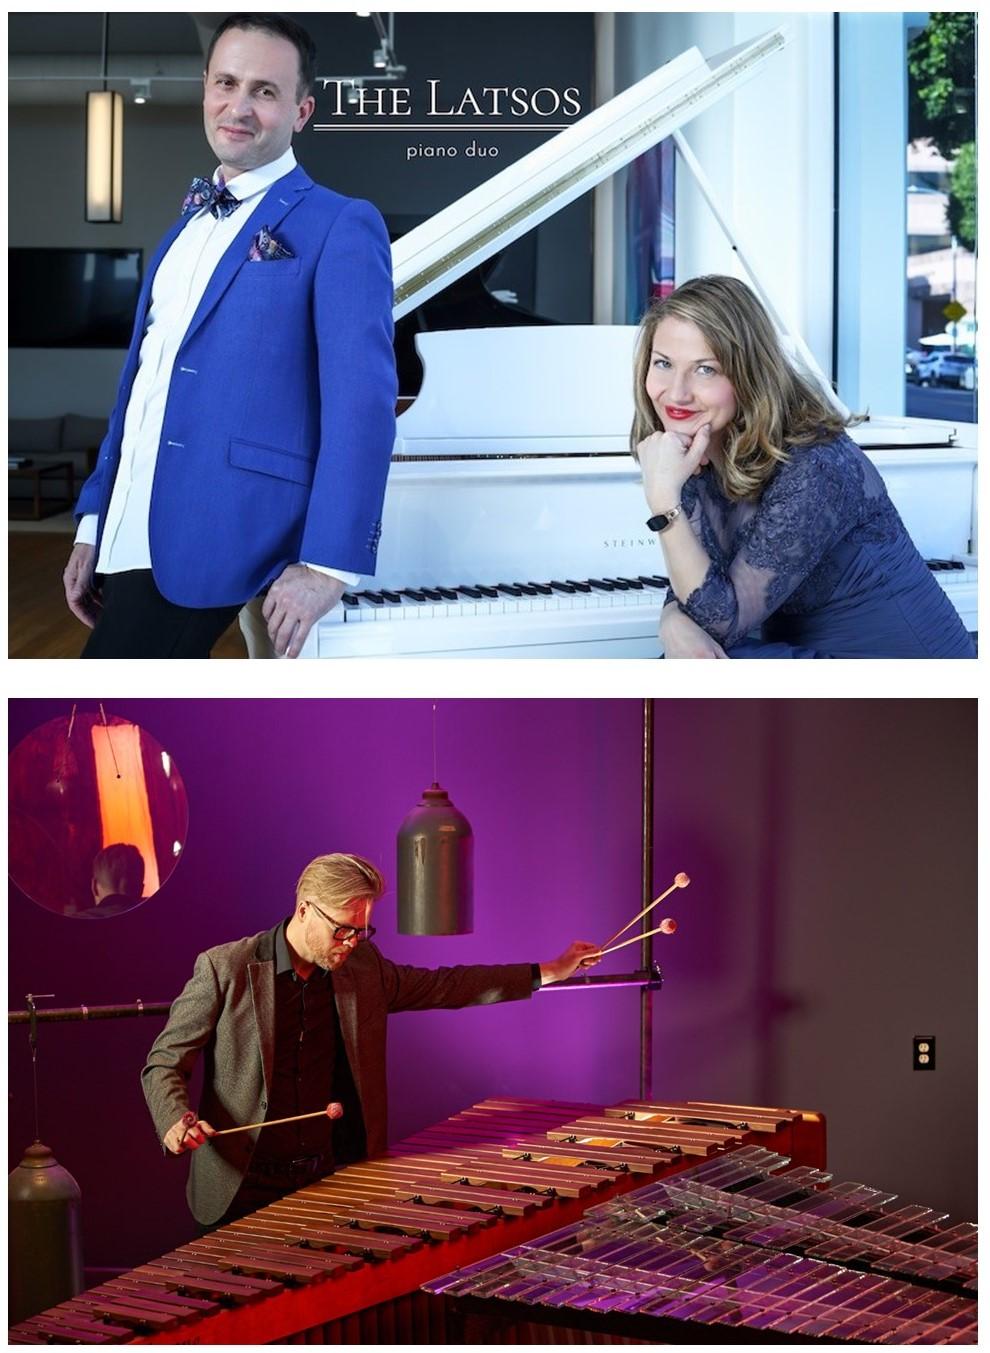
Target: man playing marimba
(291,1024)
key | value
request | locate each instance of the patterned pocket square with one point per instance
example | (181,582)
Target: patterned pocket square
(265,248)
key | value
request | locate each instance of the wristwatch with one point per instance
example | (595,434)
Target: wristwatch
(663,520)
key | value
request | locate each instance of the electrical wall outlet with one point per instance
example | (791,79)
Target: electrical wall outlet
(924,1052)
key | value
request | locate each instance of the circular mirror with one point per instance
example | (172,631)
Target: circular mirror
(97,815)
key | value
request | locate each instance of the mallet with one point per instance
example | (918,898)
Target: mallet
(666,927)
(680,881)
(331,1111)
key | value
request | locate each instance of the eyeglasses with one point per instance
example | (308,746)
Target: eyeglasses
(345,932)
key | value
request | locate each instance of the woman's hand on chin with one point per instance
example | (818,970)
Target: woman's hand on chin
(668,460)
(682,638)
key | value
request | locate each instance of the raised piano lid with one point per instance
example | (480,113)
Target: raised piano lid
(523,194)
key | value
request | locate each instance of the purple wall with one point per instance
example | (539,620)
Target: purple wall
(831,916)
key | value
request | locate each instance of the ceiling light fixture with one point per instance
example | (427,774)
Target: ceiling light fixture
(104,148)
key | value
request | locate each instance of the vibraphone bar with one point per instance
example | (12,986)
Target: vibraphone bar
(747,1199)
(342,1261)
(739,1249)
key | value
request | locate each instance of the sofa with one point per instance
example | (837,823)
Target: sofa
(71,437)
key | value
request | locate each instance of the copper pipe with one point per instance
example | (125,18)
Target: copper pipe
(81,1012)
(646,953)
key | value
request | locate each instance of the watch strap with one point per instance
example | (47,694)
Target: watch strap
(662,520)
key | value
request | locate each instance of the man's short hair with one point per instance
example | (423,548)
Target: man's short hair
(335,880)
(120,869)
(278,26)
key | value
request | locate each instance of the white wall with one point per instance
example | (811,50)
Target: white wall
(767,150)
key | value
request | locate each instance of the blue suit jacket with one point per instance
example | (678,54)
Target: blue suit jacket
(280,415)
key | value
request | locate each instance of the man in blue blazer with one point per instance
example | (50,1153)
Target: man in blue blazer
(250,441)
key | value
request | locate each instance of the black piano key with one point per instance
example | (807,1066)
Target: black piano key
(392,598)
(619,583)
(527,589)
(600,585)
(487,591)
(414,594)
(375,598)
(544,588)
(632,582)
(474,592)
(580,586)
(509,590)
(653,582)
(432,593)
(563,587)
(349,599)
(447,593)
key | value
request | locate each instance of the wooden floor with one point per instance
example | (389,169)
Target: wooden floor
(40,624)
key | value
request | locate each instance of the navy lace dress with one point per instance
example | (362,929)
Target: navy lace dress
(820,566)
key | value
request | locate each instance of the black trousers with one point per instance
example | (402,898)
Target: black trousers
(138,622)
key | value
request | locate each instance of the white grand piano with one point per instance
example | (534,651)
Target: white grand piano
(514,520)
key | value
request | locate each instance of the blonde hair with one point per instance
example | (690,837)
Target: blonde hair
(338,879)
(777,407)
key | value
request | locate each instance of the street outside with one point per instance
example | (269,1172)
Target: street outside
(943,402)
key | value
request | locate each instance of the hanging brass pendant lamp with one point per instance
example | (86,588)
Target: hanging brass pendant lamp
(435,865)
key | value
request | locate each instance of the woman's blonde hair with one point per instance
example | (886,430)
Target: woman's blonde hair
(777,407)
(338,879)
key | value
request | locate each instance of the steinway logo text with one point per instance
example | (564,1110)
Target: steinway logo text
(631,544)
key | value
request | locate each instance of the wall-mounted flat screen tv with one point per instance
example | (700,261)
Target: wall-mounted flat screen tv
(73,298)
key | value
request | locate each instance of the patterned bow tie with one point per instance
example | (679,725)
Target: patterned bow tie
(216,196)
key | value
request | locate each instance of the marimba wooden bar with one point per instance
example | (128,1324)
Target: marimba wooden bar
(342,1261)
(734,1249)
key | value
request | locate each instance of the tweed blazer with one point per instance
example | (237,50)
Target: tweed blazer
(226,1013)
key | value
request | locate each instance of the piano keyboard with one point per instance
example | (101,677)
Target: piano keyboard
(572,617)
(501,598)
(566,617)
(958,582)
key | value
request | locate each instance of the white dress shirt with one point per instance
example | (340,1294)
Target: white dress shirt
(179,286)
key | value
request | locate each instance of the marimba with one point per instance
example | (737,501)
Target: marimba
(342,1261)
(738,1249)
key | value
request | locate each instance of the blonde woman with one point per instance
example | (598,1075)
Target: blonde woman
(778,536)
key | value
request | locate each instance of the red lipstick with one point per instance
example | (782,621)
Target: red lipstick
(673,411)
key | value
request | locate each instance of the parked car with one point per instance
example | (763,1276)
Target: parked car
(946,368)
(911,359)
